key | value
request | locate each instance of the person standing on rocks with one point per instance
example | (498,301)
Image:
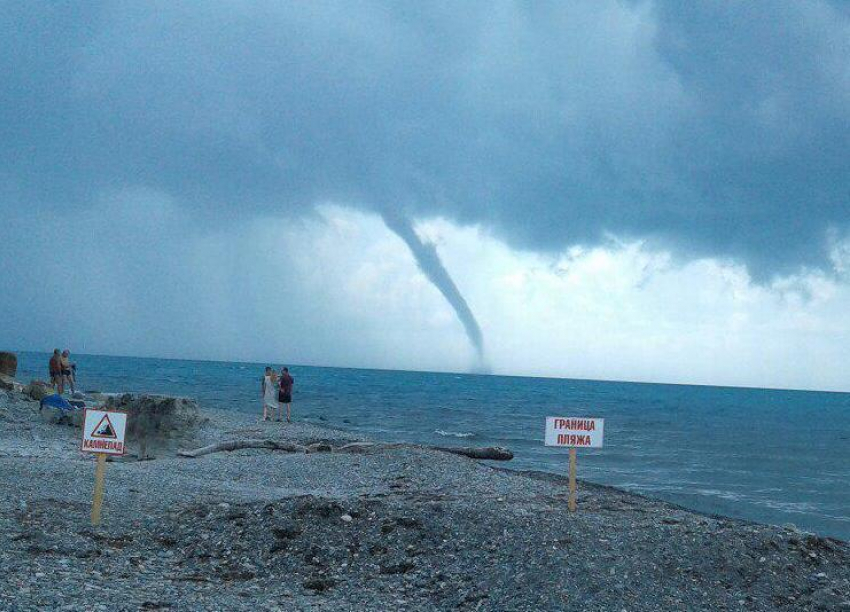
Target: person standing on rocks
(269,393)
(56,371)
(68,368)
(285,395)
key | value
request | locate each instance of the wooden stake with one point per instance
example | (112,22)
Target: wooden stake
(572,503)
(97,501)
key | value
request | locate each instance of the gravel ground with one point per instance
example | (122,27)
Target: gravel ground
(385,530)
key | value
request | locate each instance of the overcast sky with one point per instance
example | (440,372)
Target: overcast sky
(632,190)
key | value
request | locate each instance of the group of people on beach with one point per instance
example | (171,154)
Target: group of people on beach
(62,371)
(276,392)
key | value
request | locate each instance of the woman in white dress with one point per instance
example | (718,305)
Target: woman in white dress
(269,393)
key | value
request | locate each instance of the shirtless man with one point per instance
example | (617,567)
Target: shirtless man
(68,375)
(56,371)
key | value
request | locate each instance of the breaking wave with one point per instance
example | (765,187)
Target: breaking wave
(454,434)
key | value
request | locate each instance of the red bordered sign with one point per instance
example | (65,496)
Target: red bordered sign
(104,432)
(575,432)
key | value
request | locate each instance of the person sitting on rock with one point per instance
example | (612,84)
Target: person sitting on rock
(56,371)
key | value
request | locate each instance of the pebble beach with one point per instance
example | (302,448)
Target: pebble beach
(384,529)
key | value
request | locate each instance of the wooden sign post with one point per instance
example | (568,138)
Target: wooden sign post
(572,502)
(573,433)
(103,434)
(97,499)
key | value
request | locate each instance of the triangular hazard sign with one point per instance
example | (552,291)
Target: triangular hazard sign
(104,429)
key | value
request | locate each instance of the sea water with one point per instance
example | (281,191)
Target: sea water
(764,455)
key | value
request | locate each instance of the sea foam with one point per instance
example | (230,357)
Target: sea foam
(454,434)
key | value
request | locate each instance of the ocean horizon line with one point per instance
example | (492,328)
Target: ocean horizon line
(457,373)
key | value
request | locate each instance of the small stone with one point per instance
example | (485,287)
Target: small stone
(346,518)
(286,529)
(319,584)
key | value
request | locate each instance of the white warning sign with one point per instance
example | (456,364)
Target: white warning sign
(576,432)
(103,432)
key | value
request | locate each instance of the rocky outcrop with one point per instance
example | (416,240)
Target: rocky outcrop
(38,390)
(154,420)
(57,416)
(157,415)
(7,382)
(8,364)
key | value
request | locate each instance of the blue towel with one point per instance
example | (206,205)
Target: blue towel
(56,401)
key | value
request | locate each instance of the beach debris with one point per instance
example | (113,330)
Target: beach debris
(492,453)
(320,447)
(234,445)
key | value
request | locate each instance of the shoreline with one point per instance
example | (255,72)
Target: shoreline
(390,528)
(755,473)
(560,477)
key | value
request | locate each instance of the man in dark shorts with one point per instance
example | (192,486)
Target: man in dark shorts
(69,373)
(285,394)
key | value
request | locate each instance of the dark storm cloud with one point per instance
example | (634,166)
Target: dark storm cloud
(719,128)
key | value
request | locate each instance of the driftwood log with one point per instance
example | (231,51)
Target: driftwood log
(233,445)
(493,453)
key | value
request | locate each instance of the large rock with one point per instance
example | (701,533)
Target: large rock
(8,364)
(76,418)
(7,382)
(153,420)
(57,416)
(158,415)
(38,390)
